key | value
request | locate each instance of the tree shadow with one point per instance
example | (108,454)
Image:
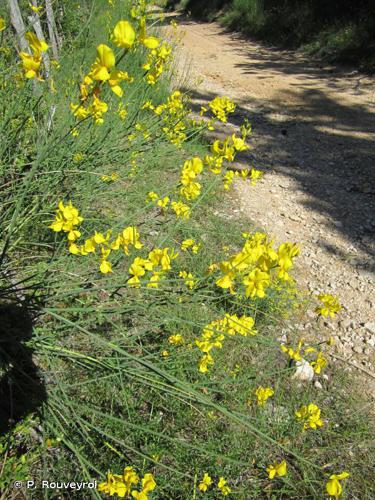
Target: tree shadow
(22,389)
(328,148)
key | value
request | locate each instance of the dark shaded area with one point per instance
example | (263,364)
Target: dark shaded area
(22,389)
(336,168)
(338,30)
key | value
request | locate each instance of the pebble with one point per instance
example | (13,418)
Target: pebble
(370,327)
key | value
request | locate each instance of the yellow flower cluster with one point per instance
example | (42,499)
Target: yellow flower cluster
(330,305)
(221,107)
(110,178)
(67,219)
(174,113)
(31,62)
(190,282)
(104,69)
(181,209)
(190,189)
(157,62)
(176,339)
(253,265)
(206,482)
(214,334)
(262,394)
(309,416)
(159,262)
(278,469)
(225,151)
(122,485)
(190,244)
(317,364)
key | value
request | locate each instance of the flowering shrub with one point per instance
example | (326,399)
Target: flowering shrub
(169,357)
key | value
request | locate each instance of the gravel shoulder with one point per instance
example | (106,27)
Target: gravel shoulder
(313,136)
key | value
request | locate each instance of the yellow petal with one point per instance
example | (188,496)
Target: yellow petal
(151,42)
(105,56)
(123,35)
(105,267)
(117,90)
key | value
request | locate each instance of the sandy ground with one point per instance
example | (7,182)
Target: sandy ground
(313,136)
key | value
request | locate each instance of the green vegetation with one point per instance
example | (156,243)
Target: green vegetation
(91,374)
(340,31)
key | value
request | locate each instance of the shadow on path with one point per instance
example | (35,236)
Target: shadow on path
(326,147)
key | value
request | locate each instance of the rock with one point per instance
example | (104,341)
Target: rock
(345,323)
(370,327)
(304,372)
(358,349)
(283,339)
(318,385)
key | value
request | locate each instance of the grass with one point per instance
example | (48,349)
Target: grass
(100,393)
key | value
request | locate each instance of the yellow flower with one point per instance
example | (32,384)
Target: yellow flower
(115,78)
(165,353)
(255,175)
(31,65)
(227,281)
(205,483)
(319,363)
(277,469)
(228,179)
(36,45)
(163,202)
(181,209)
(111,485)
(204,363)
(35,9)
(189,279)
(137,269)
(285,255)
(221,107)
(190,243)
(79,111)
(152,196)
(176,339)
(151,42)
(97,109)
(293,354)
(105,60)
(105,267)
(330,306)
(67,217)
(239,143)
(262,394)
(123,35)
(78,157)
(222,485)
(2,24)
(310,416)
(255,283)
(130,236)
(333,486)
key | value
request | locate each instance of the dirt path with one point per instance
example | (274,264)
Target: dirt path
(314,136)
